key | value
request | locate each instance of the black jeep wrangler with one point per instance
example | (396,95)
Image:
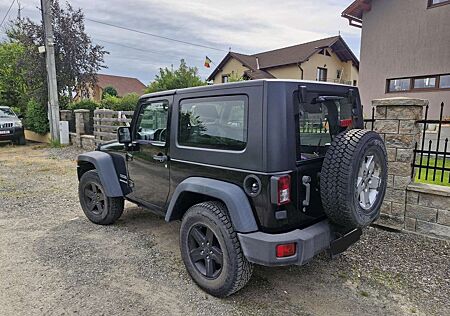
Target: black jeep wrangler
(270,172)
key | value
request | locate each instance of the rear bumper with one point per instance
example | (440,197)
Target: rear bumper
(260,247)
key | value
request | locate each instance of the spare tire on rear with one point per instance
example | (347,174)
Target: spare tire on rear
(353,178)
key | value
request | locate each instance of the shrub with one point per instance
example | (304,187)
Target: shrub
(110,102)
(84,105)
(37,117)
(128,102)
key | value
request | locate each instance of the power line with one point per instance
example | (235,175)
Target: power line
(141,49)
(130,47)
(7,12)
(155,35)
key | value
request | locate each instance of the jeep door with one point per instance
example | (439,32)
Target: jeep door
(148,170)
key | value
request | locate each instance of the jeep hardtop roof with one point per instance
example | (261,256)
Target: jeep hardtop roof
(231,85)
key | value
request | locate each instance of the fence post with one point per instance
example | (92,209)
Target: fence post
(81,121)
(68,115)
(395,120)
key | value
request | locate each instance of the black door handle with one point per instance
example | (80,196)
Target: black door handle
(160,158)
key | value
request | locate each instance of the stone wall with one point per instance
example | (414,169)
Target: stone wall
(86,142)
(407,205)
(428,209)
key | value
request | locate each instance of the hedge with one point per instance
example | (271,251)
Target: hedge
(125,103)
(36,118)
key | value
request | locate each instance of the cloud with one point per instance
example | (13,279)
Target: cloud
(246,26)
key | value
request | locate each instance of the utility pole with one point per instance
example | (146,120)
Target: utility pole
(53,105)
(19,11)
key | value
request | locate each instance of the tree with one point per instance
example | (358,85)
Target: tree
(183,77)
(13,91)
(109,91)
(235,78)
(77,58)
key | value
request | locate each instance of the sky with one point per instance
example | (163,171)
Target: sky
(246,27)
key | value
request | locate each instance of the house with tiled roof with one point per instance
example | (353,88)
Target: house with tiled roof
(123,86)
(329,59)
(405,50)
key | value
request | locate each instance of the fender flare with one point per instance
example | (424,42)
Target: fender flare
(231,195)
(106,170)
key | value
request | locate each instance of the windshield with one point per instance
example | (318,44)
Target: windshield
(318,120)
(7,112)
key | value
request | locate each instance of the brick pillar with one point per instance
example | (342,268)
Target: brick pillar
(395,120)
(67,115)
(81,121)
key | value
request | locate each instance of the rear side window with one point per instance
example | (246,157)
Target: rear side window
(318,120)
(214,123)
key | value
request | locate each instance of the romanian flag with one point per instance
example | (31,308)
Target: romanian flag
(208,62)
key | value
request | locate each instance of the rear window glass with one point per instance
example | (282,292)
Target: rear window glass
(318,120)
(215,123)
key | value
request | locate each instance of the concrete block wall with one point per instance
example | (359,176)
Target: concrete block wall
(82,123)
(428,209)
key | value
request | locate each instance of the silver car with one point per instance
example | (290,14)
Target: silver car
(11,128)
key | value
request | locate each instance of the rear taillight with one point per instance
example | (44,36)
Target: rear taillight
(286,250)
(284,190)
(280,187)
(345,123)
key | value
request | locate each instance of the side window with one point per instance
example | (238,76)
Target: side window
(152,121)
(215,123)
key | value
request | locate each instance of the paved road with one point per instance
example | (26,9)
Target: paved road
(55,262)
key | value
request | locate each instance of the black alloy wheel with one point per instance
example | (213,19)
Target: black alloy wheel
(95,198)
(97,206)
(205,251)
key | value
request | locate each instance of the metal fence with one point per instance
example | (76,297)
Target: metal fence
(370,122)
(430,159)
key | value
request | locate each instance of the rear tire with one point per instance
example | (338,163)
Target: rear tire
(97,207)
(353,178)
(211,250)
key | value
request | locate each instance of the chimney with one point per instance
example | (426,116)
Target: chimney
(257,63)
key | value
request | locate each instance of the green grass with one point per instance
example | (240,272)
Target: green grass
(431,172)
(55,144)
(364,293)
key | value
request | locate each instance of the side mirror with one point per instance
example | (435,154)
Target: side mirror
(124,135)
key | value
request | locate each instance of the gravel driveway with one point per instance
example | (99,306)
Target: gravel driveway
(54,261)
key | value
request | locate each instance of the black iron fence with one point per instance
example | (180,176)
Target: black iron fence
(431,159)
(370,122)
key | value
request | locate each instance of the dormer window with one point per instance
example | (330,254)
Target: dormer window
(325,52)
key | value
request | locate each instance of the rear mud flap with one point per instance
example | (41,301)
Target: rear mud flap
(341,244)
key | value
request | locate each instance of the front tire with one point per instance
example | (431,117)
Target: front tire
(211,250)
(21,141)
(98,208)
